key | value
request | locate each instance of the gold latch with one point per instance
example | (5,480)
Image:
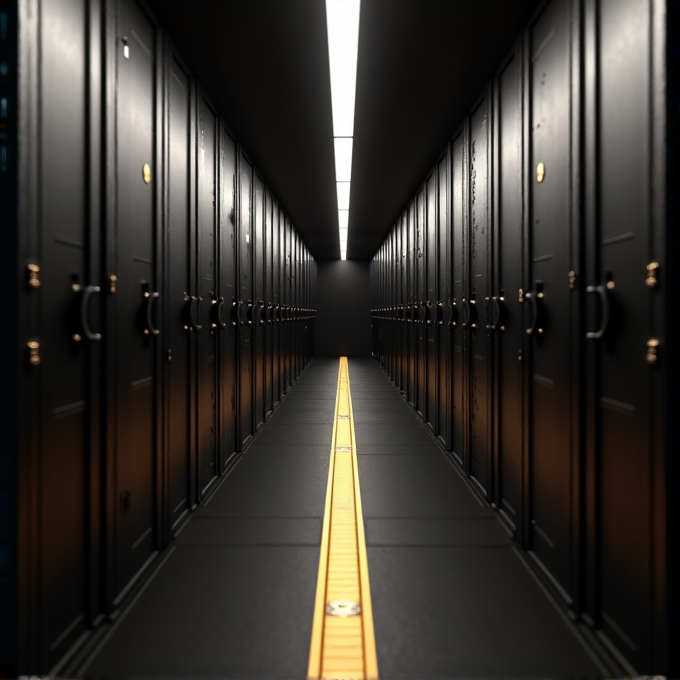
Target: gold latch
(33,276)
(540,172)
(521,295)
(33,352)
(113,280)
(652,269)
(572,280)
(146,173)
(652,349)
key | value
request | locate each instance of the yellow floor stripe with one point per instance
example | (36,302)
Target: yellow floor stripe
(343,647)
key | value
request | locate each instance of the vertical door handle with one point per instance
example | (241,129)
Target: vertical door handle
(535,296)
(150,298)
(499,312)
(215,313)
(195,300)
(601,291)
(84,313)
(470,309)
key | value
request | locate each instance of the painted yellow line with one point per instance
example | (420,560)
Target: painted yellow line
(343,637)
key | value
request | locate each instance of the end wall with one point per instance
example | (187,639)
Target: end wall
(343,320)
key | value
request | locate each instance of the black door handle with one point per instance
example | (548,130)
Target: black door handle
(604,298)
(535,298)
(150,297)
(499,312)
(195,301)
(470,308)
(215,313)
(84,314)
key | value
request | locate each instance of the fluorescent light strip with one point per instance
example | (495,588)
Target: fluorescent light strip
(342,19)
(342,22)
(343,159)
(343,195)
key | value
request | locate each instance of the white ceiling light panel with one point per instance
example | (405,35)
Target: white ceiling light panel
(343,195)
(342,18)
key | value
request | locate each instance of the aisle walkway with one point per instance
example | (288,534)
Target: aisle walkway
(234,598)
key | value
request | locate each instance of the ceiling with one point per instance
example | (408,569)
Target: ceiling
(421,65)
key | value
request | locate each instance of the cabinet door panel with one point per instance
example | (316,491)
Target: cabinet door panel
(431,273)
(245,302)
(228,289)
(509,240)
(458,272)
(64,239)
(479,291)
(258,300)
(550,245)
(135,344)
(207,294)
(180,369)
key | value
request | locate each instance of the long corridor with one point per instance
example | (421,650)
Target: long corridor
(234,597)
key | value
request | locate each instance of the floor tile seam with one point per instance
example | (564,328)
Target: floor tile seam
(267,517)
(466,546)
(298,544)
(430,518)
(414,455)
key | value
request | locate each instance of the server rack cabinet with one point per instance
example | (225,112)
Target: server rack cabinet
(287,297)
(459,247)
(207,323)
(477,296)
(394,302)
(57,290)
(550,382)
(413,306)
(258,301)
(403,298)
(267,311)
(227,313)
(506,320)
(430,316)
(277,251)
(178,301)
(623,291)
(443,310)
(245,301)
(133,193)
(420,402)
(296,305)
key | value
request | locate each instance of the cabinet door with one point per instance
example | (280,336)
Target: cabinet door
(180,246)
(66,250)
(276,300)
(206,297)
(619,298)
(458,272)
(421,300)
(245,301)
(506,311)
(228,289)
(429,317)
(135,311)
(403,302)
(443,311)
(258,301)
(479,291)
(412,307)
(547,297)
(267,312)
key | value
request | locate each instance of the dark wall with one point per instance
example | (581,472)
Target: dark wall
(343,322)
